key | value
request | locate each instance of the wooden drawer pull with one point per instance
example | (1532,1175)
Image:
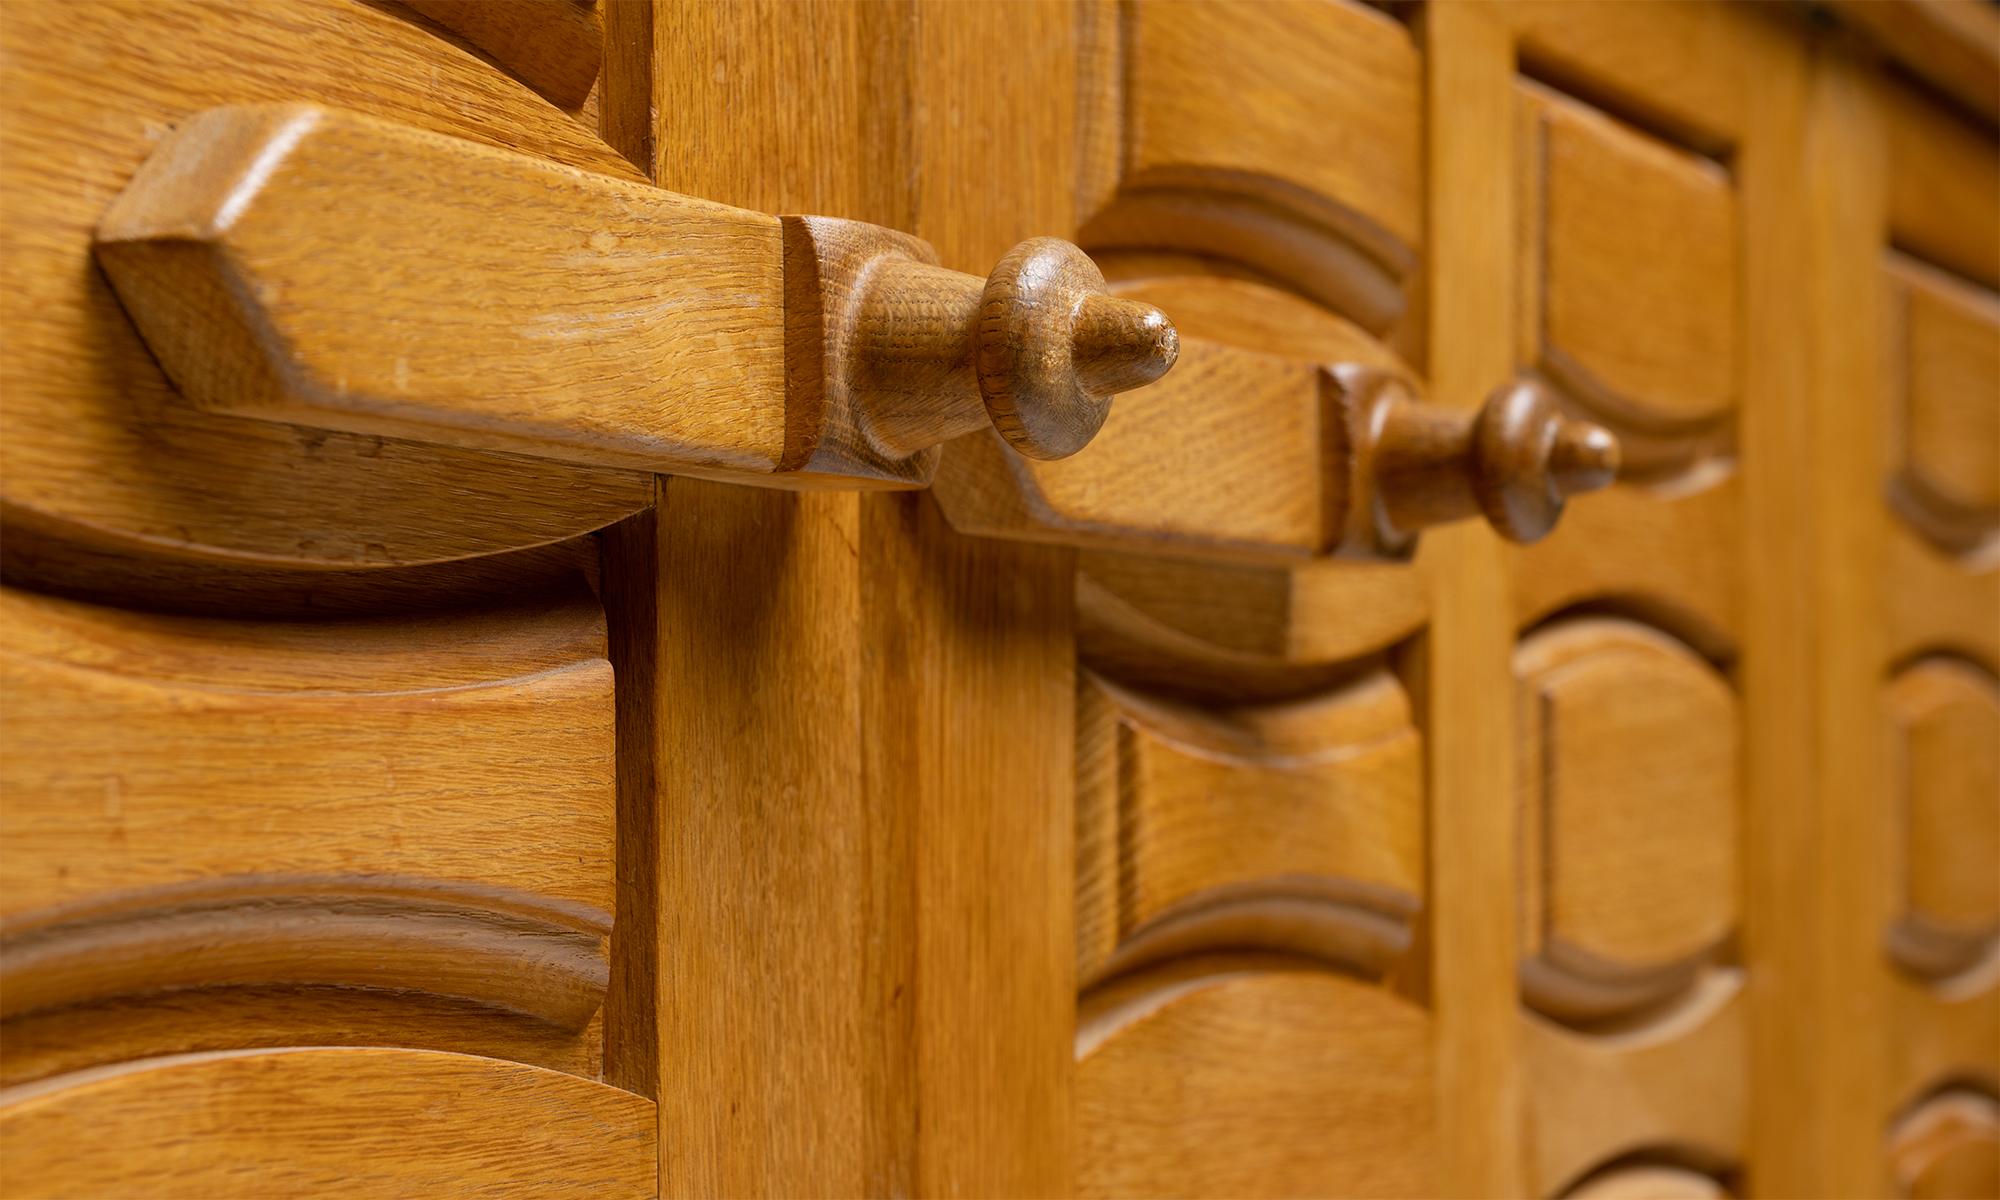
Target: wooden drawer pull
(1407,466)
(320,268)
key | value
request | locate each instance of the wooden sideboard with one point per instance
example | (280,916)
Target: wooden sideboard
(1111,598)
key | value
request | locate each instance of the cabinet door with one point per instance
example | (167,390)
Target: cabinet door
(1917,387)
(307,768)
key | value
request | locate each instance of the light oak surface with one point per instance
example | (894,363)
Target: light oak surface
(1675,1083)
(1945,364)
(1945,717)
(553,46)
(144,753)
(97,442)
(389,813)
(1630,761)
(1644,337)
(362,1121)
(1223,1077)
(1291,826)
(1950,1146)
(1211,128)
(689,336)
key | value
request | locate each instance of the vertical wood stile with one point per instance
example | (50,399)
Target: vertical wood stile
(1468,689)
(861,720)
(1844,169)
(1791,656)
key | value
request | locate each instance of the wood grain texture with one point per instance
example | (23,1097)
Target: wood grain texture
(1253,1078)
(1671,556)
(814,103)
(1945,764)
(96,440)
(601,322)
(1677,1082)
(859,914)
(1238,101)
(1254,457)
(1939,1032)
(1220,457)
(1952,44)
(1848,906)
(458,943)
(875,112)
(465,750)
(418,804)
(1948,1147)
(553,46)
(1630,760)
(1465,691)
(1938,601)
(1684,69)
(1646,340)
(1228,631)
(54,1041)
(1292,827)
(888,355)
(1942,175)
(1790,661)
(362,1121)
(553,316)
(1945,409)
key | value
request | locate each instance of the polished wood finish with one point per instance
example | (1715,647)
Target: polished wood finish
(1630,760)
(1245,787)
(361,1121)
(553,46)
(1351,461)
(1674,1084)
(99,447)
(1252,1077)
(689,337)
(1294,826)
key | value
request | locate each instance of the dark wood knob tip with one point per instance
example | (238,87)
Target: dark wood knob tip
(1584,458)
(1529,456)
(1120,344)
(1054,346)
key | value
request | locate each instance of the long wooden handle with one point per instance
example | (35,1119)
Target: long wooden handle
(315,267)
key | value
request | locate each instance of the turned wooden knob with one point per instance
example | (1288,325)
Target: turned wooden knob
(1408,466)
(1528,457)
(928,354)
(1054,347)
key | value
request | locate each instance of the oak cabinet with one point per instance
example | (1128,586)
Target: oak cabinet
(1087,598)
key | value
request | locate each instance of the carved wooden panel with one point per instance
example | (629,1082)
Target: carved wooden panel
(99,446)
(1945,362)
(1946,764)
(420,805)
(1630,765)
(1233,138)
(1939,262)
(1295,825)
(1673,1087)
(1628,272)
(1668,555)
(1185,627)
(1253,1077)
(1948,1148)
(354,1121)
(1644,339)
